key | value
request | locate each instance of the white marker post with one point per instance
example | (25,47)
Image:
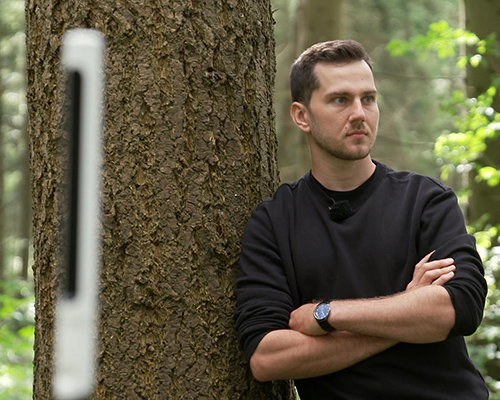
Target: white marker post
(76,309)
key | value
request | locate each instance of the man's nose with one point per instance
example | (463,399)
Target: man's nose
(358,112)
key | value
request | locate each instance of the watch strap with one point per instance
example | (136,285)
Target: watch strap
(325,325)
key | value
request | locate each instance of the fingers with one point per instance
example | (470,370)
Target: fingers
(425,259)
(420,267)
(436,272)
(443,278)
(431,267)
(431,275)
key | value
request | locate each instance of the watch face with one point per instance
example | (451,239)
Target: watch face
(322,311)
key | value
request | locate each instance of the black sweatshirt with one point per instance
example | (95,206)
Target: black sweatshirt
(293,253)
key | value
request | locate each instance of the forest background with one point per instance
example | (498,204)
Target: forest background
(434,119)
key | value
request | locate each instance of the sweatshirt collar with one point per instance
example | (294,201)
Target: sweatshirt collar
(355,197)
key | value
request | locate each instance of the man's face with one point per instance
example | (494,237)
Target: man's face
(343,113)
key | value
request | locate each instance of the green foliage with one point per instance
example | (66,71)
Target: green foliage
(440,39)
(16,340)
(16,296)
(477,122)
(446,42)
(13,136)
(484,345)
(459,151)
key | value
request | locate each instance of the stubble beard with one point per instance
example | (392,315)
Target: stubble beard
(340,149)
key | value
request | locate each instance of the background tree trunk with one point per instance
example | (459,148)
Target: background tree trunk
(286,52)
(482,18)
(319,21)
(190,149)
(2,202)
(315,21)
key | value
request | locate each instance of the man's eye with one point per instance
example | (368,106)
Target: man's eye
(339,100)
(369,99)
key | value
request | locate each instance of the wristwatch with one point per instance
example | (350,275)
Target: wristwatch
(321,313)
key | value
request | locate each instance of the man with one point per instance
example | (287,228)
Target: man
(357,281)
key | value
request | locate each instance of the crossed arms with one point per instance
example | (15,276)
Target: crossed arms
(423,313)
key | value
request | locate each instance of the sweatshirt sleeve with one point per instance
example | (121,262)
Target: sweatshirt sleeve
(264,302)
(443,229)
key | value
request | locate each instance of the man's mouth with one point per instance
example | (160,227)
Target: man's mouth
(357,132)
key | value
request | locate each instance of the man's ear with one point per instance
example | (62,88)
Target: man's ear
(300,115)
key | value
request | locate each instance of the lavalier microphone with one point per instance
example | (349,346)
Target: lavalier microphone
(340,210)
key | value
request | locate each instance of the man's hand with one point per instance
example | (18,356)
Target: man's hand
(436,272)
(302,320)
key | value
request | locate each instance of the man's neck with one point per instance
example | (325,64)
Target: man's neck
(343,176)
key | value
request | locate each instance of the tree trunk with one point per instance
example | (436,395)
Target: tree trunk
(190,149)
(319,21)
(2,202)
(482,18)
(316,21)
(3,62)
(288,134)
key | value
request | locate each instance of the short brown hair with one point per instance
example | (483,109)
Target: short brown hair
(303,80)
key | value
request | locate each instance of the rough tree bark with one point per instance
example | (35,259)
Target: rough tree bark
(190,148)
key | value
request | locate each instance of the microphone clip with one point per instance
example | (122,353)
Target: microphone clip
(340,210)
